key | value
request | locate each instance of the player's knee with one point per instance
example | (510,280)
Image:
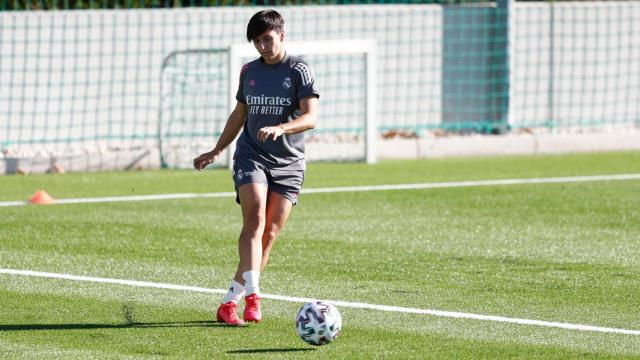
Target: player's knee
(254,222)
(269,237)
(252,231)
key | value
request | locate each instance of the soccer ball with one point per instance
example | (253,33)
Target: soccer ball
(318,322)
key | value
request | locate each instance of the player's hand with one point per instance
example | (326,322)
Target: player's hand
(205,159)
(270,133)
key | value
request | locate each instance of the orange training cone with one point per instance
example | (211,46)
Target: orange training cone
(41,198)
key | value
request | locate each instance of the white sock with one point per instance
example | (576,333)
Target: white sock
(236,291)
(251,280)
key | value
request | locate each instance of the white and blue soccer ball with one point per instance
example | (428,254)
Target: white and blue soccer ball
(318,322)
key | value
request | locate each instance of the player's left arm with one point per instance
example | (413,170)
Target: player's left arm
(306,121)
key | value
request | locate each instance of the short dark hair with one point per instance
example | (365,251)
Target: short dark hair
(262,21)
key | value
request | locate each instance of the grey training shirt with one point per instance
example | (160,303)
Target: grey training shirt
(272,94)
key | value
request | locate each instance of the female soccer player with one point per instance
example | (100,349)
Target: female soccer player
(276,101)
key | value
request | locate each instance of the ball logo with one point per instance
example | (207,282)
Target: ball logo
(286,83)
(240,174)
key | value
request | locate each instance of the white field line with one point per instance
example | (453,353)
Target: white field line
(356,305)
(436,185)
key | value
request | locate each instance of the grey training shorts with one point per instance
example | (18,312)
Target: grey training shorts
(287,183)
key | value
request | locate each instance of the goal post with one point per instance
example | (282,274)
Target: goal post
(239,54)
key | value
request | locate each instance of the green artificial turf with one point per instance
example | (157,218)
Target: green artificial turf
(562,252)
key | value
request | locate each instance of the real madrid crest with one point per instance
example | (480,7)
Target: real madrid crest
(286,83)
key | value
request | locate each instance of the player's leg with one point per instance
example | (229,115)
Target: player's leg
(284,188)
(275,215)
(283,193)
(253,201)
(278,209)
(251,189)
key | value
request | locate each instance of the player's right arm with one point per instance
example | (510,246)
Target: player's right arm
(231,130)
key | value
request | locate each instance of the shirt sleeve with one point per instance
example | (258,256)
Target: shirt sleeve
(305,80)
(239,94)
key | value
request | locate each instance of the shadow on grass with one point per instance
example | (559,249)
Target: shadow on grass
(133,325)
(266,351)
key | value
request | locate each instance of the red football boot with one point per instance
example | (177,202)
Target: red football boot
(227,313)
(252,308)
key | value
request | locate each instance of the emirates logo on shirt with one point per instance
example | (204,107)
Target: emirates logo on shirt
(267,105)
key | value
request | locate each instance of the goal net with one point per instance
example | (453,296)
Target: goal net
(199,88)
(193,104)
